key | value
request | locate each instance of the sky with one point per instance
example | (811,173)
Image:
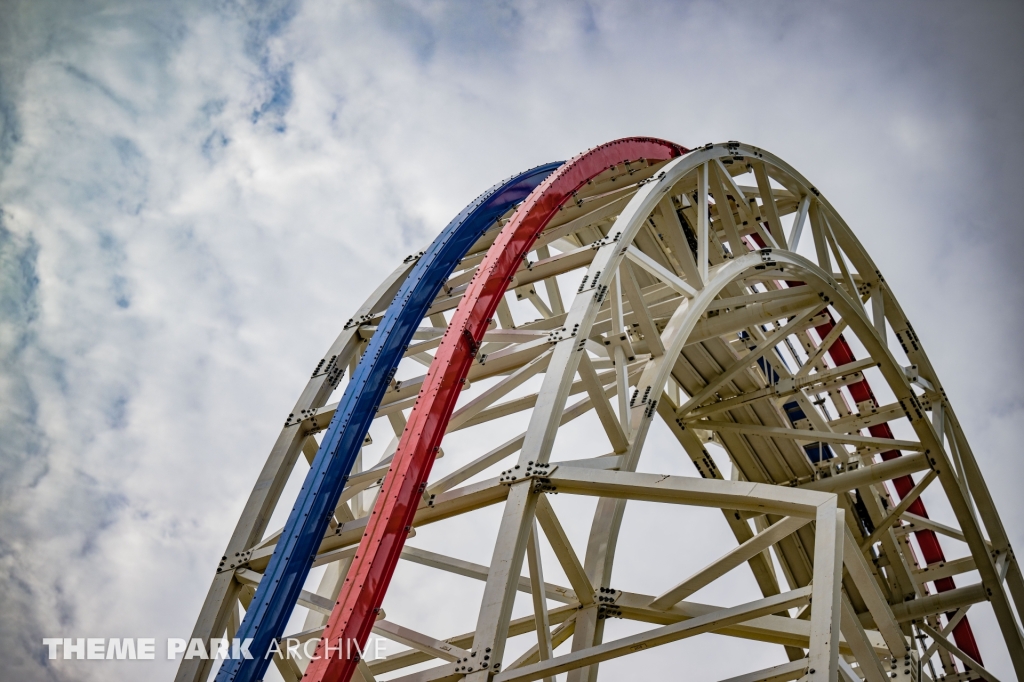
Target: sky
(194,197)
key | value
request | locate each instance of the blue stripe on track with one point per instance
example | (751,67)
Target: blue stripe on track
(293,555)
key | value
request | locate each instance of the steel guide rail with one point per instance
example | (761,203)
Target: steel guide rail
(931,550)
(698,342)
(375,561)
(841,354)
(294,553)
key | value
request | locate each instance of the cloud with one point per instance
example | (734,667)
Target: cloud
(194,199)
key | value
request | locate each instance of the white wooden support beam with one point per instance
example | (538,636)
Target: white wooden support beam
(672,227)
(743,364)
(819,352)
(799,219)
(878,311)
(529,292)
(640,312)
(939,603)
(847,276)
(505,314)
(877,415)
(506,563)
(622,387)
(287,666)
(310,448)
(562,632)
(775,629)
(363,671)
(511,446)
(858,641)
(540,602)
(784,672)
(766,236)
(606,210)
(809,436)
(306,598)
(657,270)
(729,561)
(769,211)
(725,215)
(938,423)
(742,202)
(847,673)
(618,352)
(849,372)
(612,426)
(916,523)
(758,313)
(702,222)
(519,626)
(588,630)
(758,297)
(449,672)
(559,542)
(898,510)
(469,569)
(946,631)
(945,569)
(499,390)
(658,636)
(551,284)
(760,498)
(871,594)
(818,229)
(827,583)
(608,379)
(975,667)
(233,622)
(870,474)
(419,641)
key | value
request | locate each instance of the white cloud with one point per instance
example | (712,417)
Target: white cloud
(195,200)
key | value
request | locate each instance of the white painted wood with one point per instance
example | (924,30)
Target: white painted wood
(702,222)
(823,654)
(566,555)
(649,298)
(783,672)
(656,637)
(956,651)
(540,606)
(726,563)
(870,666)
(796,231)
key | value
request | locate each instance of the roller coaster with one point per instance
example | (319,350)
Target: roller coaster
(713,294)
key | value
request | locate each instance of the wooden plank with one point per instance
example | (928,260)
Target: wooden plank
(657,637)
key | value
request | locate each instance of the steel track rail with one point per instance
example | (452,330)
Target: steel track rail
(713,337)
(293,555)
(381,545)
(841,353)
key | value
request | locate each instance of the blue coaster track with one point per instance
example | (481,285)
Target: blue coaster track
(296,548)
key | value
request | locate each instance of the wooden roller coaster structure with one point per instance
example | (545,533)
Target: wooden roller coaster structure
(713,290)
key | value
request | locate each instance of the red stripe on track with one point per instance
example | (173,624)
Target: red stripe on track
(931,550)
(841,354)
(374,563)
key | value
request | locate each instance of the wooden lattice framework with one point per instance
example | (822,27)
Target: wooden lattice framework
(675,291)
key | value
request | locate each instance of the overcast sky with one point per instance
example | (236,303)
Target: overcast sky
(196,196)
